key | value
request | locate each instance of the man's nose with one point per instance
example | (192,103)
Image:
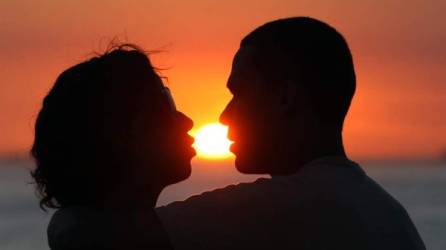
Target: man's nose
(225,116)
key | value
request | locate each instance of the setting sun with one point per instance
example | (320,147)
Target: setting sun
(211,141)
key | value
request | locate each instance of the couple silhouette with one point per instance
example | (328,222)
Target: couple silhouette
(109,138)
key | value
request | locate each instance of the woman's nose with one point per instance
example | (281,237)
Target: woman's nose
(185,121)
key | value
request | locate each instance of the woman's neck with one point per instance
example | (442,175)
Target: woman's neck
(132,197)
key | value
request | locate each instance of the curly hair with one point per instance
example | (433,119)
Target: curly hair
(80,125)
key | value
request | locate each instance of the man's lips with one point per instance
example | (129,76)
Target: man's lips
(233,147)
(231,137)
(230,134)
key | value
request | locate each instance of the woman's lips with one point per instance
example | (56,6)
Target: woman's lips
(186,146)
(192,151)
(190,140)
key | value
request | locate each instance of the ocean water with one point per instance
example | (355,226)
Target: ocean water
(420,187)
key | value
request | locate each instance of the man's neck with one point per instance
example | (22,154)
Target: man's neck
(323,145)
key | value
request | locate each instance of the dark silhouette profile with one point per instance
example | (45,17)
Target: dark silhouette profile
(108,139)
(292,82)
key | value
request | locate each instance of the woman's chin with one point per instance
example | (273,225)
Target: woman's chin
(182,168)
(178,166)
(182,174)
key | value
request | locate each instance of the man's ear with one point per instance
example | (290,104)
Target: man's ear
(296,100)
(290,97)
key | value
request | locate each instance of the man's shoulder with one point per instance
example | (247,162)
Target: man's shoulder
(231,195)
(263,199)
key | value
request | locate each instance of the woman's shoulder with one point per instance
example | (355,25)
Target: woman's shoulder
(71,227)
(87,227)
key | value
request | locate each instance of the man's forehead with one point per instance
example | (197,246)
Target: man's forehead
(244,58)
(243,66)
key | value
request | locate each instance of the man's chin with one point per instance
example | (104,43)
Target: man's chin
(249,167)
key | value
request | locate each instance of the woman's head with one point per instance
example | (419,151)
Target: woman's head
(108,121)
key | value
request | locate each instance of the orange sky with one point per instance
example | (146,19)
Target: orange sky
(398,47)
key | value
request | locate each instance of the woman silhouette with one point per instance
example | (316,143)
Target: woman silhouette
(108,139)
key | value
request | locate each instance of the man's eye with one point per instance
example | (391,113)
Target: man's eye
(234,99)
(238,92)
(235,96)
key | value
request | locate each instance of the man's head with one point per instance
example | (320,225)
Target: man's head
(292,82)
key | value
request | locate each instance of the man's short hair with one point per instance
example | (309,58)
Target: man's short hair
(313,54)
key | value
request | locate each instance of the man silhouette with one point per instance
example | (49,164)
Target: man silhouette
(292,82)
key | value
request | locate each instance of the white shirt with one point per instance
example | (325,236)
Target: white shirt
(329,203)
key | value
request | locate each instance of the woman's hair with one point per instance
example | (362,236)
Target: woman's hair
(85,118)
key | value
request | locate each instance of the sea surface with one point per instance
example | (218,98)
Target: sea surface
(420,187)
